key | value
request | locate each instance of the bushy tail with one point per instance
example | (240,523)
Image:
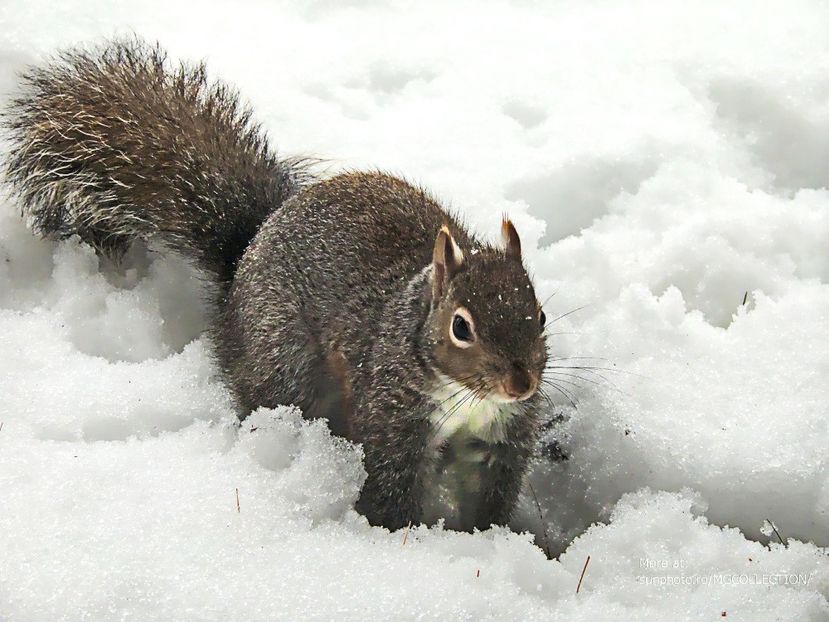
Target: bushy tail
(113,143)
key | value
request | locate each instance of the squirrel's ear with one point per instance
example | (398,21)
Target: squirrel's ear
(447,259)
(512,243)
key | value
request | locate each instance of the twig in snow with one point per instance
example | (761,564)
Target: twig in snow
(583,570)
(406,534)
(238,507)
(546,547)
(745,299)
(776,533)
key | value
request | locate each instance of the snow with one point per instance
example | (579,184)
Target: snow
(662,161)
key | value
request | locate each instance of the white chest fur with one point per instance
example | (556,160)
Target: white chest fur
(457,410)
(463,426)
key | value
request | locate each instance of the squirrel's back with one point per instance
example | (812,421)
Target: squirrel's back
(115,143)
(334,257)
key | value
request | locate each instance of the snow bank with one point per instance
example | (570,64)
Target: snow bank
(666,166)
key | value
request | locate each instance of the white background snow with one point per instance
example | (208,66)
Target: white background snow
(662,161)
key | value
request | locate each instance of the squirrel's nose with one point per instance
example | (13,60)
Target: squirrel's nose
(519,383)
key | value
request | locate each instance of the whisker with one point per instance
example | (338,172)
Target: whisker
(592,367)
(546,334)
(570,382)
(607,383)
(460,390)
(447,415)
(451,412)
(460,380)
(483,391)
(563,315)
(568,392)
(550,297)
(563,392)
(570,375)
(546,397)
(589,358)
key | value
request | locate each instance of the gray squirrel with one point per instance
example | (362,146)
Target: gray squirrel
(358,297)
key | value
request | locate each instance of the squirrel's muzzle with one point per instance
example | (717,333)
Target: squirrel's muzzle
(519,383)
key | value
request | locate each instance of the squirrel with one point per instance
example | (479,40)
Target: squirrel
(357,297)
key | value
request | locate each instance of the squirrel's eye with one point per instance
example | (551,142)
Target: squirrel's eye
(542,319)
(460,329)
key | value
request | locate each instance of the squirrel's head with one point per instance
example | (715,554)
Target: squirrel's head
(486,325)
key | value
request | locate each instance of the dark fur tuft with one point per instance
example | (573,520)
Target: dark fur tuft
(114,143)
